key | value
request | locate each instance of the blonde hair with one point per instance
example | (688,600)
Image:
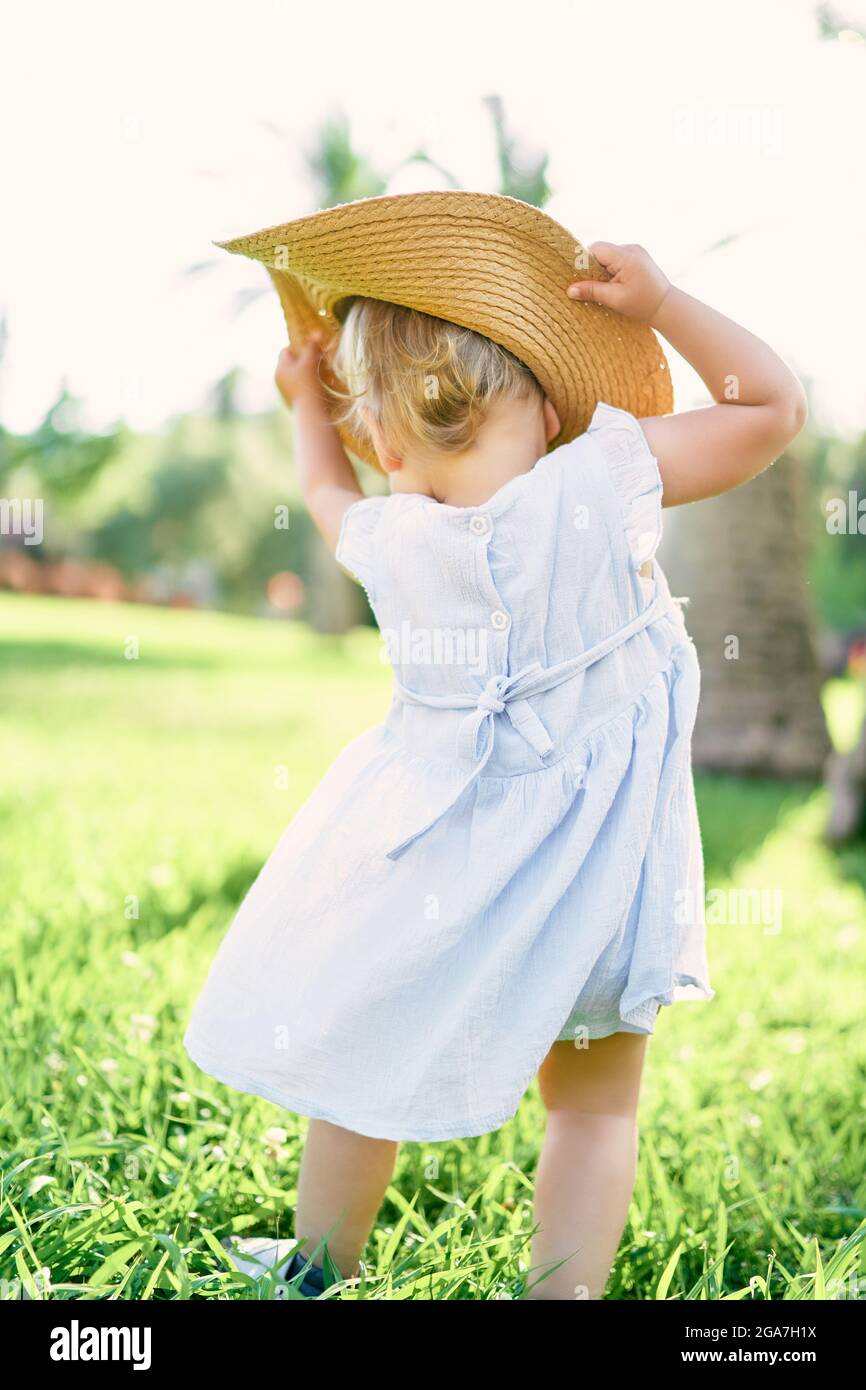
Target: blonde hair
(426,383)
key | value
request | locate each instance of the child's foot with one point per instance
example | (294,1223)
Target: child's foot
(258,1255)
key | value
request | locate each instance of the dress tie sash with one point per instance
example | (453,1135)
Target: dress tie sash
(510,695)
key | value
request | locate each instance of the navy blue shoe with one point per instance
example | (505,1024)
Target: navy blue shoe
(313,1282)
(259,1255)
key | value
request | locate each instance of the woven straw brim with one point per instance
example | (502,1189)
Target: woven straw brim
(483,261)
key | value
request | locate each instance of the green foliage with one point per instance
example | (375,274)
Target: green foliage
(837,559)
(60,458)
(831,23)
(123,1165)
(522,171)
(201,497)
(338,173)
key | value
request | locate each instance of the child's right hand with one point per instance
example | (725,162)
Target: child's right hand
(636,287)
(297,373)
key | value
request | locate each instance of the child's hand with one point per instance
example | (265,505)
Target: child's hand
(636,287)
(297,373)
(326,476)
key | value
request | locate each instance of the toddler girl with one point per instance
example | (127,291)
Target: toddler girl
(504,879)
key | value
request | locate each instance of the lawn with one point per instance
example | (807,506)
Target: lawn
(151,759)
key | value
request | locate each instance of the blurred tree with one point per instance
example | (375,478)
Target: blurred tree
(522,170)
(60,458)
(224,397)
(339,174)
(832,25)
(208,498)
(421,174)
(846,783)
(837,471)
(740,558)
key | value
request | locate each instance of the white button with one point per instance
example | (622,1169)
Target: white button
(499,619)
(479,526)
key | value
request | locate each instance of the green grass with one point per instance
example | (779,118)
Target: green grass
(167,779)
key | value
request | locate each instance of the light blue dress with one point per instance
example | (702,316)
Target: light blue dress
(513,857)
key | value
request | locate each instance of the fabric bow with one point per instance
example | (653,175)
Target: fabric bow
(502,695)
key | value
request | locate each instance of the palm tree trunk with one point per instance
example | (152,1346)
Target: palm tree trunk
(739,558)
(335,603)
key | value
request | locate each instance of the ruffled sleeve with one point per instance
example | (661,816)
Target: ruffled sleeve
(635,475)
(357,544)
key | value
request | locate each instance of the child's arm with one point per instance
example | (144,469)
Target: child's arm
(761,405)
(327,479)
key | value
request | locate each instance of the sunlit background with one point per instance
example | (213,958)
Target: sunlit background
(727,139)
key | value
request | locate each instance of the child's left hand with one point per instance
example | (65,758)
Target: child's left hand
(297,373)
(760,405)
(636,288)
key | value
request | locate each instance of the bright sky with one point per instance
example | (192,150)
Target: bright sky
(133,135)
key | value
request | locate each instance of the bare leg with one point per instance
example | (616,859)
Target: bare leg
(341,1185)
(587,1166)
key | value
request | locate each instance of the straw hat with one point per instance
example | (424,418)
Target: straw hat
(483,261)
